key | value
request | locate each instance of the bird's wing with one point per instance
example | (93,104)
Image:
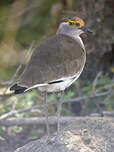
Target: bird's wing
(56,58)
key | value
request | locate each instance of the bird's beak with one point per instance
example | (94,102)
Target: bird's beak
(85,29)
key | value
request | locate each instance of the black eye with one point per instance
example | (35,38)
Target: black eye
(71,23)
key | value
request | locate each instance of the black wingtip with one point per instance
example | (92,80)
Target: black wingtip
(18,89)
(13,87)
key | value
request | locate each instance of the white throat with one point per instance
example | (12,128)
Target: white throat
(72,32)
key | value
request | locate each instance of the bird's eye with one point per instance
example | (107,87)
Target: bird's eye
(71,23)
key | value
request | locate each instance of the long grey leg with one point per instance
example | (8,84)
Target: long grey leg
(59,108)
(46,113)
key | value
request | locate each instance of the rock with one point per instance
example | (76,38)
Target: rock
(81,135)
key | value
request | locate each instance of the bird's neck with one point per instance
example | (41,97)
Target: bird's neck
(73,35)
(79,40)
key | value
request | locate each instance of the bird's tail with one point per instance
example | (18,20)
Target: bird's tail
(18,89)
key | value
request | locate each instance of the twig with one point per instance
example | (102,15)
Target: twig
(95,83)
(93,91)
(41,120)
(111,90)
(23,60)
(104,113)
(18,69)
(34,120)
(13,112)
(15,103)
(78,99)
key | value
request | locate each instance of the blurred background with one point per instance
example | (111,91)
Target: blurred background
(24,24)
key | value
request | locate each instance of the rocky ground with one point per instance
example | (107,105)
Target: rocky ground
(81,135)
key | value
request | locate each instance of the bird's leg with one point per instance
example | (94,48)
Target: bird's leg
(59,108)
(46,113)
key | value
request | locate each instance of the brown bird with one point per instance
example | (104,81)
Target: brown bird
(57,62)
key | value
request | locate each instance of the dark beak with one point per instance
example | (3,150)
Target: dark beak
(85,29)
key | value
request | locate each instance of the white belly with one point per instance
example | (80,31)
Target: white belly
(56,87)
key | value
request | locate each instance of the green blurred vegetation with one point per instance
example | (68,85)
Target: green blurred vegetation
(33,97)
(14,39)
(36,28)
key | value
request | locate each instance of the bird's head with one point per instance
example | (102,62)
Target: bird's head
(72,25)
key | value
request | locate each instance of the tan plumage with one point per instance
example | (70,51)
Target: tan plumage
(57,57)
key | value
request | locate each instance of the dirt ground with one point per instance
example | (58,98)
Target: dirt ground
(81,135)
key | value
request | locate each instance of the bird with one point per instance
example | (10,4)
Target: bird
(56,63)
